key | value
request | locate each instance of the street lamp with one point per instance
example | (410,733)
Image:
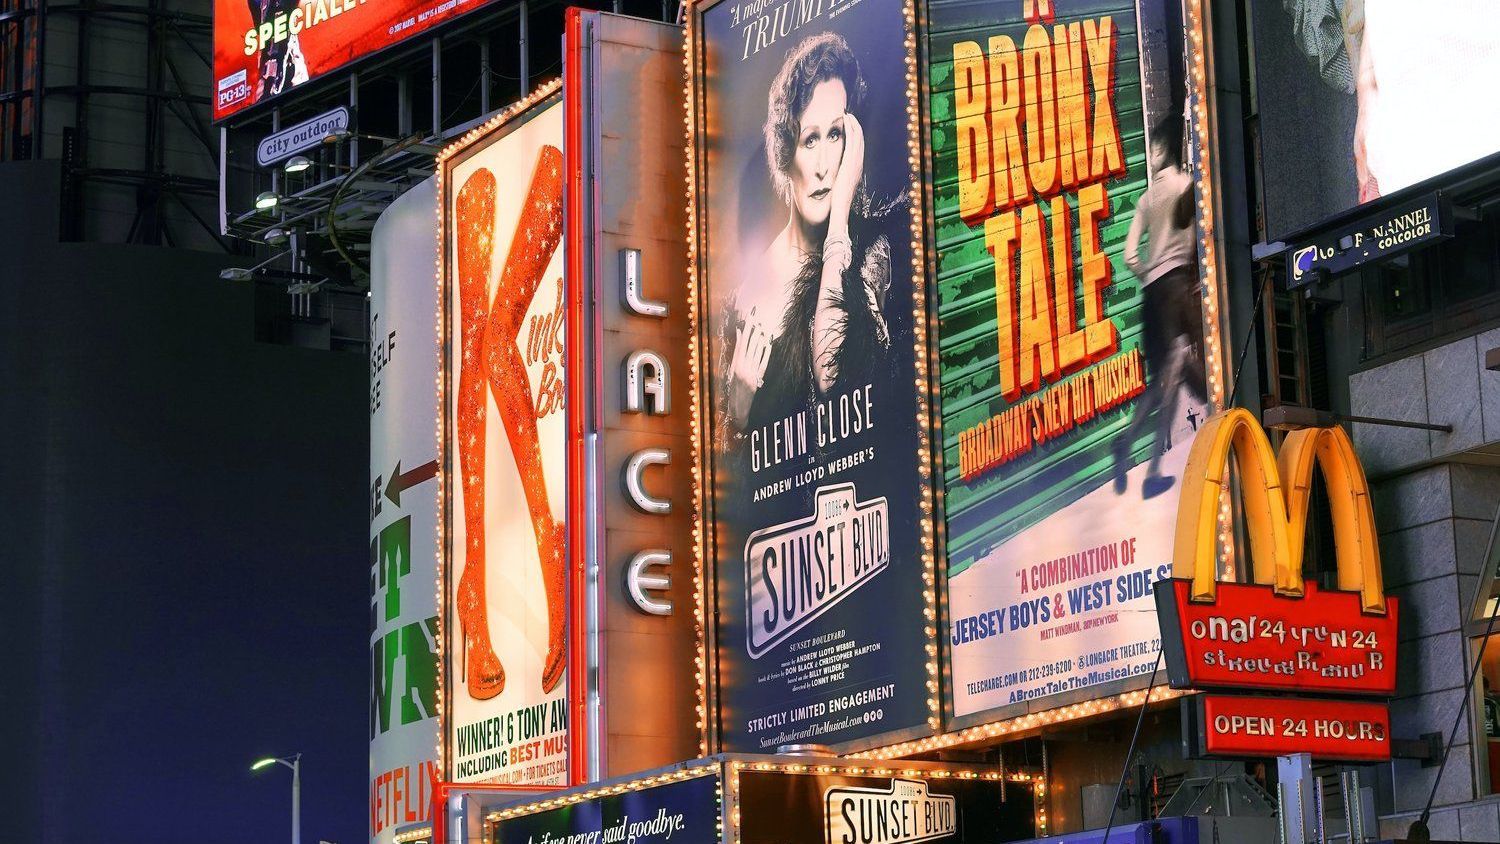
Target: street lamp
(295,763)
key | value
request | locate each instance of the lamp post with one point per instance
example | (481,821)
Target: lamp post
(295,763)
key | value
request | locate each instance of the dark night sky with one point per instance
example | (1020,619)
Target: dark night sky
(186,516)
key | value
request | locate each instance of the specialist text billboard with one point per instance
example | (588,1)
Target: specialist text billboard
(403,515)
(263,48)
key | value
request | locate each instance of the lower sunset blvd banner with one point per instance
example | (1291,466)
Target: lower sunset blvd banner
(779,808)
(818,487)
(685,812)
(1331,730)
(1071,348)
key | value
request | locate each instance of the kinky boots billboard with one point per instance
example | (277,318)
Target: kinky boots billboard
(570,619)
(1283,633)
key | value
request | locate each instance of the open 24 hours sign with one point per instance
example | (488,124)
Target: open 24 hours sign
(1332,730)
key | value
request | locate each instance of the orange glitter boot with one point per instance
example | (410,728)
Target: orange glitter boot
(538,232)
(483,673)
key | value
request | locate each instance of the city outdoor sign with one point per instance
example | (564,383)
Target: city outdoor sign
(1281,633)
(279,146)
(1400,228)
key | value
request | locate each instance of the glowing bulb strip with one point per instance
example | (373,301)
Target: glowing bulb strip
(695,396)
(920,360)
(1020,727)
(440,386)
(419,834)
(563,800)
(1201,129)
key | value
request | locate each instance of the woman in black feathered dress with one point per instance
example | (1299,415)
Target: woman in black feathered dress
(807,320)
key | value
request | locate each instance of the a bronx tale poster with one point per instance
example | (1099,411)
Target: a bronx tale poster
(1071,339)
(814,424)
(505,436)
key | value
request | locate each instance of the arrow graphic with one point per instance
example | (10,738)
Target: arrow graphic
(400,483)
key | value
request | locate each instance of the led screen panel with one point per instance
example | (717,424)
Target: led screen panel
(264,48)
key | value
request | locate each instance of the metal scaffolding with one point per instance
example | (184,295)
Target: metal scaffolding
(35,113)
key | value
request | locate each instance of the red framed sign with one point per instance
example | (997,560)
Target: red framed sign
(1334,730)
(1252,638)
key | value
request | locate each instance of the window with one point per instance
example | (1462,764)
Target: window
(1434,293)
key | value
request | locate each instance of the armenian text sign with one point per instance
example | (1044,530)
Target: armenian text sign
(1251,638)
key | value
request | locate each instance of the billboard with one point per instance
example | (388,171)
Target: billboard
(1071,347)
(1361,98)
(505,438)
(1330,730)
(263,48)
(1282,633)
(403,515)
(814,426)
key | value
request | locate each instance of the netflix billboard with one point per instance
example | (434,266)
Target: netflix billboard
(263,48)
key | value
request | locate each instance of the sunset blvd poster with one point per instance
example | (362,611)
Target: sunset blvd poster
(816,424)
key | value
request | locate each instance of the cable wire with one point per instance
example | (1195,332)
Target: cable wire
(1125,766)
(1239,366)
